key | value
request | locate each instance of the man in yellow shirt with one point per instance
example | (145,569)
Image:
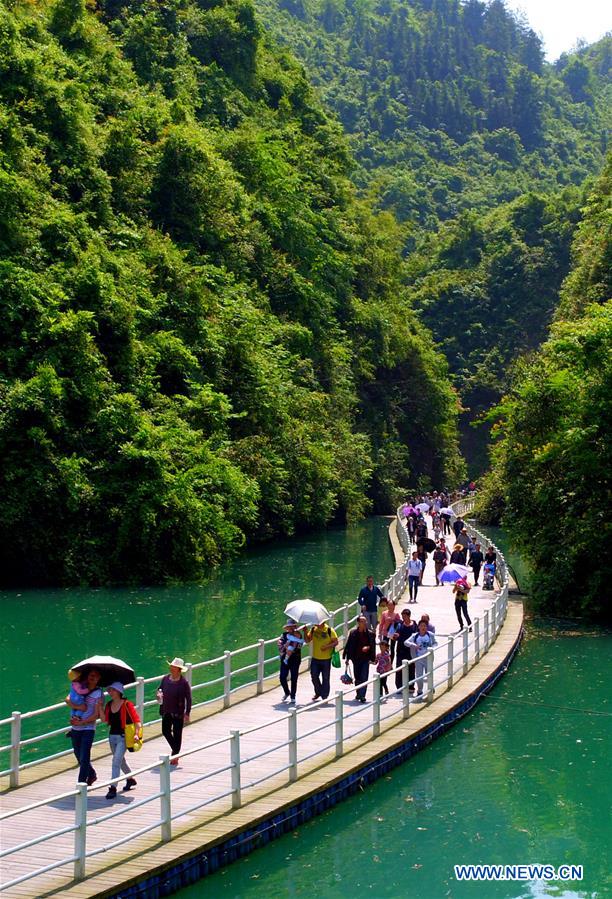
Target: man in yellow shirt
(324,640)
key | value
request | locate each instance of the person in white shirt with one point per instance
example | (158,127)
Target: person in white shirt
(415,567)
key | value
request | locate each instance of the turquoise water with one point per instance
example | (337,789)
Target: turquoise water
(45,631)
(524,778)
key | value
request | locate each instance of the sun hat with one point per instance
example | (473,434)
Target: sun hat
(116,685)
(178,663)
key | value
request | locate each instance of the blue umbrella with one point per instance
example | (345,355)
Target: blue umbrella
(452,573)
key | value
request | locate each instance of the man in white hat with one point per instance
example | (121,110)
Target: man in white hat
(174,696)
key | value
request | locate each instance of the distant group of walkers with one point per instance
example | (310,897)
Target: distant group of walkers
(86,700)
(382,637)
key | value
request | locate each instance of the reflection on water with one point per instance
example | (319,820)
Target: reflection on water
(44,631)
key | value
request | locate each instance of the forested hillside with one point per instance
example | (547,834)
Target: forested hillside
(550,482)
(205,336)
(480,149)
(450,106)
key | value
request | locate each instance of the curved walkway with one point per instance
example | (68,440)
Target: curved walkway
(261,790)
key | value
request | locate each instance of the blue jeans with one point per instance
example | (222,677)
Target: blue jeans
(319,675)
(117,745)
(413,585)
(81,745)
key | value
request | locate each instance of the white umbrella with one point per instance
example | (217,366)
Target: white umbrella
(307,611)
(446,511)
(422,507)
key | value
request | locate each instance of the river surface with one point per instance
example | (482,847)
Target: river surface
(524,778)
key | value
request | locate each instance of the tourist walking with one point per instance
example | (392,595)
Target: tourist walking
(440,558)
(464,540)
(360,650)
(422,557)
(475,563)
(415,568)
(119,712)
(458,525)
(324,640)
(389,620)
(290,650)
(83,725)
(446,527)
(461,590)
(419,644)
(384,664)
(458,555)
(402,633)
(368,600)
(174,696)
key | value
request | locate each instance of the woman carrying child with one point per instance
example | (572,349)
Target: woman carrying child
(290,650)
(119,712)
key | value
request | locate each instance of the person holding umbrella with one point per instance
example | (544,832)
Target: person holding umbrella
(174,697)
(117,713)
(83,728)
(290,650)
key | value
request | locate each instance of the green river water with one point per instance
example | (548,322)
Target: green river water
(524,778)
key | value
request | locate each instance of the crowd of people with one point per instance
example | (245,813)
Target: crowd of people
(383,637)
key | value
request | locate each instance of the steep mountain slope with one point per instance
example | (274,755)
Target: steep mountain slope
(450,106)
(205,335)
(551,473)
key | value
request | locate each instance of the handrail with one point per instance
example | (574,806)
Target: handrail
(484,632)
(392,587)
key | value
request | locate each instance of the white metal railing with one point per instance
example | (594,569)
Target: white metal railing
(223,666)
(451,659)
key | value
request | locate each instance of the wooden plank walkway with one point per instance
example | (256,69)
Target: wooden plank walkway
(110,869)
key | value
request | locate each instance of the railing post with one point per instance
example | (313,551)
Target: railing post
(486,630)
(345,621)
(477,639)
(405,688)
(15,749)
(165,798)
(465,651)
(227,678)
(293,745)
(189,673)
(261,664)
(235,760)
(80,834)
(339,723)
(140,697)
(450,671)
(376,706)
(430,676)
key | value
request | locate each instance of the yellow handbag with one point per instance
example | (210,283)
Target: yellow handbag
(134,737)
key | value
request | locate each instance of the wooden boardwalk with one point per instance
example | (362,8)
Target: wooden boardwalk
(261,792)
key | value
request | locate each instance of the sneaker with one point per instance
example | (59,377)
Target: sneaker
(130,782)
(174,761)
(91,780)
(285,697)
(112,792)
(315,699)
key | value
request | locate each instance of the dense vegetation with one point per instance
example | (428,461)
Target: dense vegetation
(205,335)
(450,105)
(462,130)
(552,462)
(488,287)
